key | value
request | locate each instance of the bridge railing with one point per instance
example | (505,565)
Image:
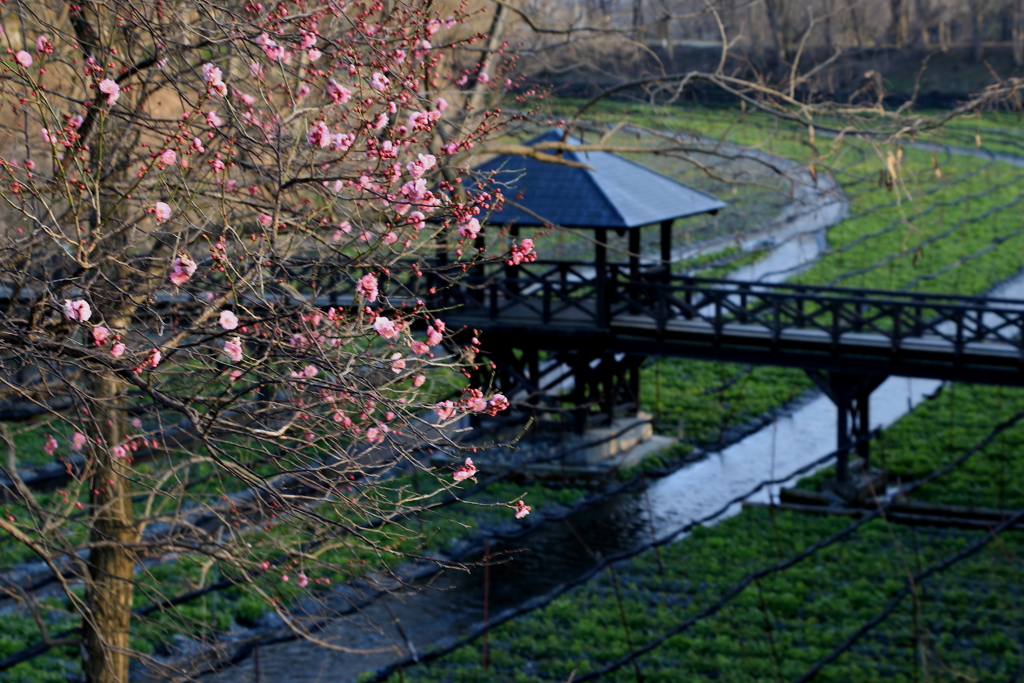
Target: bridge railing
(842,315)
(568,292)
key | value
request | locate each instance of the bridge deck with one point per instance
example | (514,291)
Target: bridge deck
(885,333)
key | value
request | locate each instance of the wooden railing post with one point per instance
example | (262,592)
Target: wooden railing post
(602,304)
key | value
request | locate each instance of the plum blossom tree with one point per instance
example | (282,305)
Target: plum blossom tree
(215,290)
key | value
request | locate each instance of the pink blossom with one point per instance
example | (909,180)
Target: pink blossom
(380,82)
(367,286)
(24,58)
(419,380)
(420,120)
(265,220)
(249,100)
(390,238)
(386,328)
(168,157)
(111,89)
(154,357)
(470,228)
(522,509)
(444,410)
(218,165)
(497,404)
(341,142)
(78,440)
(442,104)
(182,269)
(423,163)
(303,580)
(284,577)
(77,310)
(117,350)
(235,374)
(162,211)
(416,219)
(197,145)
(136,422)
(419,348)
(522,253)
(477,404)
(212,120)
(338,92)
(46,136)
(373,435)
(228,320)
(29,164)
(342,419)
(100,334)
(345,227)
(43,45)
(320,135)
(214,80)
(308,39)
(433,26)
(433,337)
(310,371)
(50,446)
(76,121)
(313,54)
(466,471)
(233,349)
(118,452)
(381,121)
(483,77)
(264,565)
(397,364)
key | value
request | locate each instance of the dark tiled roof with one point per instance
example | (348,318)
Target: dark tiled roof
(616,193)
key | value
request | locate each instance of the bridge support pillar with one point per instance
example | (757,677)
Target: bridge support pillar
(851,393)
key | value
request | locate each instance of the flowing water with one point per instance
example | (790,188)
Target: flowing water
(429,612)
(559,552)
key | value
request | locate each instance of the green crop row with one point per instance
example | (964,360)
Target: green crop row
(964,623)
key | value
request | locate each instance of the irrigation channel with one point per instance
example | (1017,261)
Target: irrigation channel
(435,612)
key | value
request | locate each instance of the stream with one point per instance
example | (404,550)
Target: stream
(433,611)
(558,552)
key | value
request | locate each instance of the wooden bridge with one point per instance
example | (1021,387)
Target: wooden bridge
(562,305)
(597,325)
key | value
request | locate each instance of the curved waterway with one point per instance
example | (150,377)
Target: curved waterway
(425,614)
(430,612)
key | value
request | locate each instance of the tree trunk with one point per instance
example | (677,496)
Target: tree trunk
(638,18)
(829,43)
(898,23)
(856,23)
(976,30)
(774,8)
(1017,32)
(665,29)
(108,590)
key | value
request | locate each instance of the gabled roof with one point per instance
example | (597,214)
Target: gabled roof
(616,193)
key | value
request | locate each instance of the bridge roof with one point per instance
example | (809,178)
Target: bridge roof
(613,193)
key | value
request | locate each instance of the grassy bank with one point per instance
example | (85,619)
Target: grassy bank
(947,225)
